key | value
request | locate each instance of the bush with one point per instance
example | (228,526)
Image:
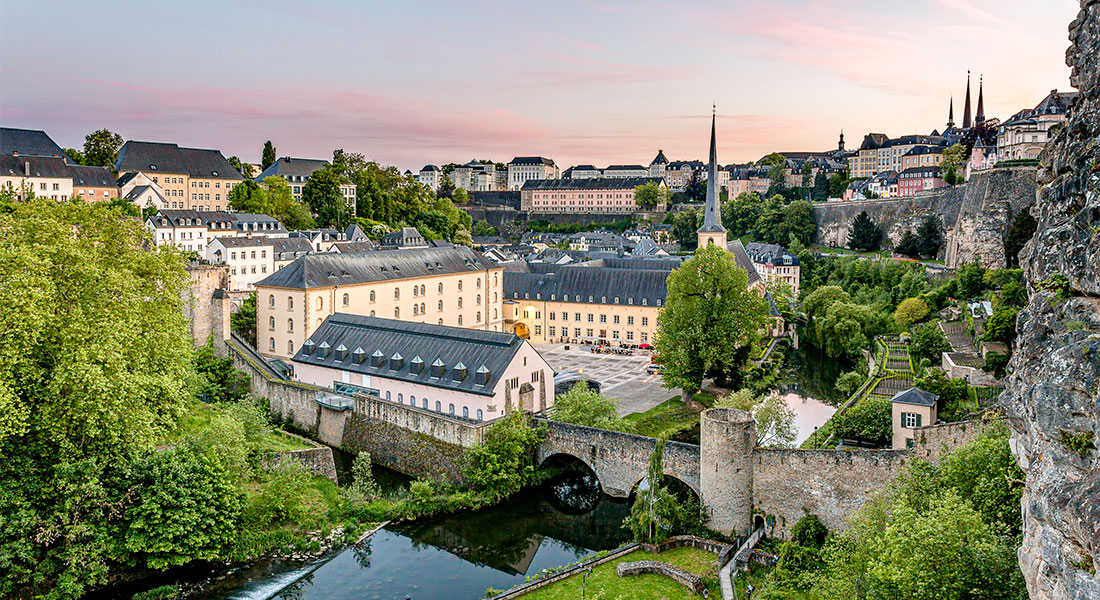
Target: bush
(280,499)
(911,310)
(869,420)
(362,477)
(849,382)
(503,464)
(928,343)
(809,531)
(584,406)
(995,363)
(164,592)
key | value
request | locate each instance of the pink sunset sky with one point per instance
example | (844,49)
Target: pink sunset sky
(409,83)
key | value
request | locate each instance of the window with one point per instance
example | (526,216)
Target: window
(451,408)
(460,301)
(460,320)
(552,332)
(271,346)
(479,320)
(629,320)
(387,395)
(479,298)
(397,313)
(440,288)
(538,329)
(603,318)
(271,322)
(396,293)
(345,299)
(589,317)
(290,346)
(372,295)
(438,406)
(479,416)
(416,310)
(289,325)
(645,321)
(416,291)
(372,313)
(910,420)
(320,303)
(424,403)
(271,300)
(459,289)
(290,303)
(400,398)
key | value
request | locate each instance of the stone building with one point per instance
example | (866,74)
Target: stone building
(477,375)
(774,262)
(591,195)
(530,168)
(452,286)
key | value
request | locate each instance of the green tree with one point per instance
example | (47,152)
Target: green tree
(281,204)
(849,382)
(908,245)
(483,228)
(929,236)
(821,186)
(268,157)
(322,195)
(243,322)
(710,320)
(446,187)
(740,215)
(186,509)
(1001,327)
(101,148)
(657,513)
(696,187)
(775,421)
(971,280)
(1019,233)
(771,226)
(582,405)
(650,194)
(868,420)
(864,235)
(954,159)
(953,401)
(837,184)
(244,169)
(685,225)
(836,324)
(502,464)
(798,218)
(247,196)
(75,155)
(910,311)
(928,343)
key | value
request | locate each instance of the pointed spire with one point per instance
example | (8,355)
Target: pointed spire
(966,106)
(979,115)
(840,144)
(710,215)
(951,113)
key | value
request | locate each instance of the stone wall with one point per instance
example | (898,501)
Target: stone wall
(934,441)
(832,484)
(404,451)
(316,460)
(205,304)
(619,460)
(976,216)
(291,402)
(1051,394)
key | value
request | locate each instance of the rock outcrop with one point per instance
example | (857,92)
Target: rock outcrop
(1053,393)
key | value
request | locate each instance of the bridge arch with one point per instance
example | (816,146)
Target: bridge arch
(673,481)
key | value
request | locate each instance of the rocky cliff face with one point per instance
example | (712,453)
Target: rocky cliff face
(1053,394)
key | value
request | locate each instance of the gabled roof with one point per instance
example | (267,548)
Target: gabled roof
(288,166)
(40,166)
(532,160)
(404,348)
(170,158)
(29,142)
(774,254)
(741,257)
(915,395)
(140,190)
(331,269)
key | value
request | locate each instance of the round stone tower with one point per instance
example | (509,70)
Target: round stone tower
(726,440)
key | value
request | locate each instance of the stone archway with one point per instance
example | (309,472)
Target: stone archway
(522,331)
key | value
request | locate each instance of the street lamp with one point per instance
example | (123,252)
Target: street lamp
(584,581)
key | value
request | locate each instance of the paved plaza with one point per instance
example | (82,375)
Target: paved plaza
(622,377)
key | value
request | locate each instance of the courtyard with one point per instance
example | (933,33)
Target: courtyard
(622,377)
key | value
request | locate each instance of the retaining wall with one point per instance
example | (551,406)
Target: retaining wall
(317,460)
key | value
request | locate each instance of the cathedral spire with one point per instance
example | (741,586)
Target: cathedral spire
(712,230)
(951,112)
(966,106)
(979,115)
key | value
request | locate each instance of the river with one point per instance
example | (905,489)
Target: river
(810,390)
(455,557)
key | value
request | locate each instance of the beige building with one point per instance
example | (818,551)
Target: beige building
(189,230)
(41,176)
(430,176)
(474,375)
(1026,133)
(615,301)
(773,262)
(249,259)
(597,195)
(452,286)
(530,168)
(189,178)
(911,409)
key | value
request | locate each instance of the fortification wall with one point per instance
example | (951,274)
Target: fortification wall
(205,304)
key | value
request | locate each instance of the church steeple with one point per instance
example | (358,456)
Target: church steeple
(979,115)
(951,112)
(712,231)
(840,144)
(966,106)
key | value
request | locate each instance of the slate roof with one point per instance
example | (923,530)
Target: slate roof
(92,176)
(244,242)
(193,218)
(170,158)
(330,269)
(659,159)
(361,246)
(139,191)
(532,160)
(595,183)
(405,238)
(430,168)
(257,222)
(872,141)
(770,254)
(285,246)
(921,172)
(292,167)
(915,395)
(598,285)
(29,142)
(40,166)
(741,257)
(917,150)
(406,345)
(626,168)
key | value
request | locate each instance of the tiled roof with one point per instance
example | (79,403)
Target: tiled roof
(330,269)
(415,352)
(292,167)
(595,183)
(170,158)
(29,142)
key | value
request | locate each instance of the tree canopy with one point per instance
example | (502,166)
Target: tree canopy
(709,321)
(650,194)
(268,157)
(864,235)
(585,406)
(101,148)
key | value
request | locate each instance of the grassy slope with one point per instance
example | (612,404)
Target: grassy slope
(605,581)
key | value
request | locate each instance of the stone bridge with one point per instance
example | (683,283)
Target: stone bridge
(619,460)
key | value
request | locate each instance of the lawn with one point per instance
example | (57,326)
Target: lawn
(605,583)
(668,417)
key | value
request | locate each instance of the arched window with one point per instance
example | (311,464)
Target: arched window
(479,283)
(271,346)
(466,409)
(424,403)
(441,306)
(460,301)
(416,309)
(372,313)
(271,322)
(423,290)
(372,295)
(478,316)
(345,299)
(290,346)
(412,400)
(451,408)
(387,394)
(290,302)
(400,398)
(440,287)
(495,314)
(416,291)
(460,320)
(438,406)
(397,313)
(494,279)
(271,300)
(479,298)
(441,321)
(422,311)
(396,293)
(320,303)
(479,416)
(290,325)
(459,289)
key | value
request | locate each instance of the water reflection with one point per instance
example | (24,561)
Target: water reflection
(813,375)
(458,557)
